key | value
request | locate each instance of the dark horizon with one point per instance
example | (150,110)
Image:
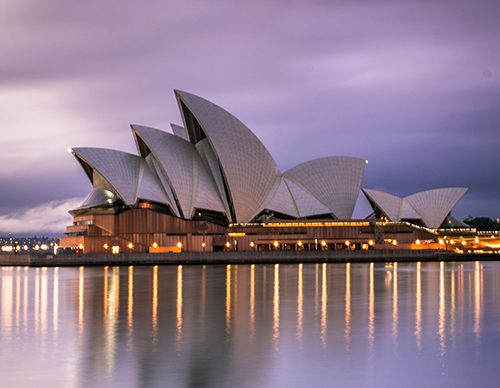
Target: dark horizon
(411,87)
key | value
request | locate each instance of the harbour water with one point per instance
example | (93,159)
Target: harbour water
(288,325)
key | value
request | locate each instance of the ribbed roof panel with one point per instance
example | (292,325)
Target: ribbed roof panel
(434,205)
(119,168)
(388,203)
(186,172)
(305,202)
(179,131)
(250,172)
(282,201)
(335,181)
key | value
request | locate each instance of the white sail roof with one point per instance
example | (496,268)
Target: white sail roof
(249,171)
(179,131)
(283,201)
(124,173)
(434,205)
(335,181)
(186,173)
(388,203)
(307,205)
(431,206)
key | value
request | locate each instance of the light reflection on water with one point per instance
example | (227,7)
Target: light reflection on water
(251,325)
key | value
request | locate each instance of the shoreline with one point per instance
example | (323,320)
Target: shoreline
(269,257)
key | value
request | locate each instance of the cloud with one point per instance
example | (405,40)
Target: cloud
(49,218)
(410,85)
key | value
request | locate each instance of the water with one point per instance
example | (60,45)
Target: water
(378,325)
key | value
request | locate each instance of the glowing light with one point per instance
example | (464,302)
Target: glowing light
(476,240)
(276,306)
(347,243)
(452,242)
(79,246)
(323,243)
(324,304)
(394,242)
(154,302)
(276,244)
(130,246)
(370,243)
(44,247)
(179,300)
(417,242)
(441,242)
(299,243)
(179,245)
(252,244)
(105,246)
(464,243)
(155,245)
(228,244)
(115,249)
(300,304)
(203,245)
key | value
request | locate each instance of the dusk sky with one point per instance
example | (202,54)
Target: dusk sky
(412,86)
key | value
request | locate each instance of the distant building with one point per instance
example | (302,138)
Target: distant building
(212,185)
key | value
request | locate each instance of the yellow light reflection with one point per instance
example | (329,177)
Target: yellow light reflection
(442,310)
(179,318)
(228,299)
(452,307)
(418,308)
(44,301)
(371,309)
(316,289)
(7,289)
(18,297)
(395,318)
(116,290)
(324,301)
(25,300)
(347,314)
(252,300)
(105,292)
(154,302)
(130,304)
(81,289)
(112,297)
(276,305)
(477,298)
(37,299)
(55,301)
(300,304)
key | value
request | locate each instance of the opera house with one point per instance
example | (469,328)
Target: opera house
(211,185)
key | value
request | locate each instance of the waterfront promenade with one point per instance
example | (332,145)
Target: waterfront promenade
(269,257)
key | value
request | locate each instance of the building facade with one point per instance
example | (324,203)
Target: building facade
(211,184)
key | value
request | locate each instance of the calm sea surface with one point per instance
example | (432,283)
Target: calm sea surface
(379,325)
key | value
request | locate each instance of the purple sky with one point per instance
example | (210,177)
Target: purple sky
(412,86)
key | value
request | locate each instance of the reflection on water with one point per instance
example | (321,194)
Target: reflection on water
(276,305)
(278,325)
(347,313)
(300,303)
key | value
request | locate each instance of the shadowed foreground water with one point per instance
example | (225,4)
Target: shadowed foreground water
(383,325)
